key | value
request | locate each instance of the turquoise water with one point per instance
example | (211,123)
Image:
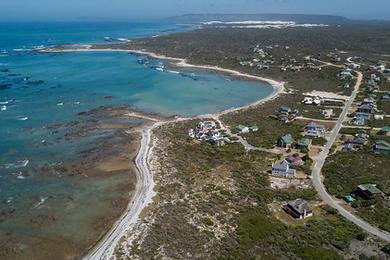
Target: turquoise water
(40,90)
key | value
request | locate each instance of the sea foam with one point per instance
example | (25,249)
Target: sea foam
(18,164)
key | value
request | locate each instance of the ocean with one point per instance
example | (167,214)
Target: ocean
(51,198)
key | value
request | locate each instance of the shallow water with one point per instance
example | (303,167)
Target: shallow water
(40,97)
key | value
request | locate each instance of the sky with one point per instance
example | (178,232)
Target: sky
(11,10)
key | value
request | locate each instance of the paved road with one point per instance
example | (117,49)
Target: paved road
(319,163)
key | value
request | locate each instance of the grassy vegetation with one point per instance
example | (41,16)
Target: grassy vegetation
(379,123)
(207,188)
(345,171)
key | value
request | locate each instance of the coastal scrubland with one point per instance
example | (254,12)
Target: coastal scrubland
(214,202)
(345,171)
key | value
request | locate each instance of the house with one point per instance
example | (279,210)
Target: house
(282,169)
(242,129)
(348,147)
(359,120)
(294,159)
(386,96)
(311,101)
(379,117)
(298,208)
(206,132)
(356,142)
(285,141)
(254,128)
(375,78)
(284,110)
(366,108)
(336,59)
(304,143)
(362,134)
(363,115)
(369,101)
(352,65)
(205,126)
(327,113)
(369,191)
(345,75)
(384,131)
(382,147)
(283,118)
(314,130)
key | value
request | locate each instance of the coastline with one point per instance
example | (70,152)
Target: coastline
(144,192)
(142,197)
(278,87)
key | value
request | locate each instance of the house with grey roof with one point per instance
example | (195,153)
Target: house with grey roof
(314,130)
(299,208)
(283,169)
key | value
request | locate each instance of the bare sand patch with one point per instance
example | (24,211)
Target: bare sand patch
(326,95)
(285,183)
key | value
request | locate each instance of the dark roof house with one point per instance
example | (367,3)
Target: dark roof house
(384,131)
(369,191)
(314,130)
(298,208)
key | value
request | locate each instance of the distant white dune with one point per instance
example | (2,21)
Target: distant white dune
(251,22)
(261,24)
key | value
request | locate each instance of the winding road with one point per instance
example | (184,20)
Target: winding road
(319,163)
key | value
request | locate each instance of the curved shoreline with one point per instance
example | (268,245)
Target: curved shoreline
(180,62)
(144,191)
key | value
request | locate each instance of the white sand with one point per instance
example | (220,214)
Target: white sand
(327,95)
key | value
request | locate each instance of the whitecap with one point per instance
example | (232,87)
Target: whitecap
(20,176)
(22,50)
(9,200)
(18,164)
(3,108)
(60,104)
(173,71)
(41,201)
(22,118)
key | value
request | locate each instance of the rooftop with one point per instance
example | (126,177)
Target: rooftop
(287,138)
(300,205)
(370,188)
(304,142)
